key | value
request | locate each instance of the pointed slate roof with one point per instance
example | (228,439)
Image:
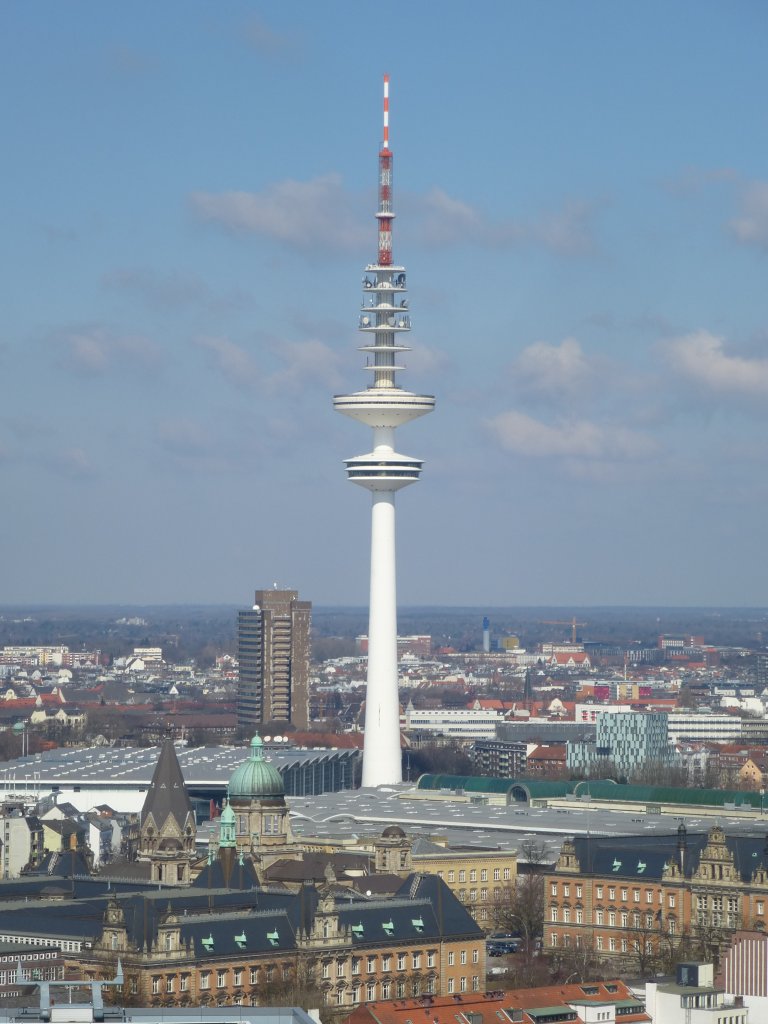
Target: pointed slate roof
(167,795)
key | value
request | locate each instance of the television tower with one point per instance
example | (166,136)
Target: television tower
(383,406)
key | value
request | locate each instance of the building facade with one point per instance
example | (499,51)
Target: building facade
(626,741)
(273,647)
(184,952)
(651,899)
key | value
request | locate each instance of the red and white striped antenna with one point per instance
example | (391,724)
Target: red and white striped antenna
(386,112)
(384,214)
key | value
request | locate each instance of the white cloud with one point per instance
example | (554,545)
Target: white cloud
(751,226)
(95,350)
(265,40)
(445,220)
(303,214)
(516,432)
(553,368)
(158,290)
(232,361)
(182,436)
(701,357)
(73,463)
(310,360)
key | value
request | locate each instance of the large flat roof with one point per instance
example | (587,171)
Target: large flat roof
(366,812)
(133,766)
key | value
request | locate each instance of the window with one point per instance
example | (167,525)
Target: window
(649,920)
(155,984)
(205,979)
(623,895)
(649,896)
(566,890)
(356,961)
(451,876)
(183,983)
(554,888)
(326,970)
(450,985)
(672,926)
(579,891)
(340,968)
(386,963)
(462,984)
(463,956)
(370,990)
(672,901)
(451,959)
(507,874)
(237,976)
(599,915)
(473,875)
(221,979)
(401,961)
(484,895)
(599,941)
(431,959)
(612,918)
(386,989)
(623,945)
(475,956)
(760,907)
(553,914)
(553,939)
(473,895)
(416,961)
(611,894)
(431,986)
(462,876)
(400,989)
(599,892)
(497,874)
(612,945)
(579,916)
(371,965)
(475,982)
(169,984)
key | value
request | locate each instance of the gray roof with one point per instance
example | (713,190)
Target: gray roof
(167,795)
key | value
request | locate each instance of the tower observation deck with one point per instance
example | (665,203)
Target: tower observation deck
(383,406)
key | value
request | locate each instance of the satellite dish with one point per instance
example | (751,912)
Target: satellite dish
(366,321)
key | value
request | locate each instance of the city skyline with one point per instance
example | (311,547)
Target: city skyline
(584,216)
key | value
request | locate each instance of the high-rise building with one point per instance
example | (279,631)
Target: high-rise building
(273,652)
(761,672)
(383,406)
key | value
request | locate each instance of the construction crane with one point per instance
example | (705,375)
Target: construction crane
(565,622)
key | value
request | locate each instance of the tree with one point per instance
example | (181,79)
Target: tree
(523,912)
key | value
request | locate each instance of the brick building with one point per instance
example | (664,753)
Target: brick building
(646,899)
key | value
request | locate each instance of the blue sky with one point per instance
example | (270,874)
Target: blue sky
(582,201)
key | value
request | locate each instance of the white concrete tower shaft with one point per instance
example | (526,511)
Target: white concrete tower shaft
(383,406)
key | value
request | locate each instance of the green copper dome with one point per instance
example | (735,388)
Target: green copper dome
(255,778)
